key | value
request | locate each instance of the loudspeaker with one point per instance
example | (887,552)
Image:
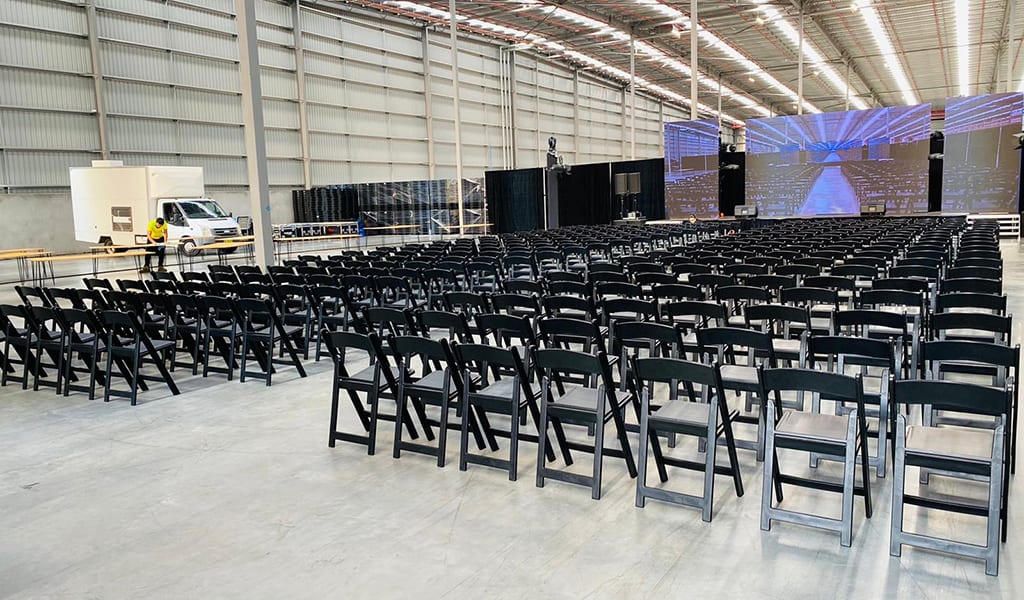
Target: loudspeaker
(872,208)
(633,183)
(621,184)
(746,210)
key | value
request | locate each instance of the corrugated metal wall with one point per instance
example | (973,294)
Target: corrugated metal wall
(169,76)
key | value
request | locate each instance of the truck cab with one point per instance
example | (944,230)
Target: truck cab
(193,222)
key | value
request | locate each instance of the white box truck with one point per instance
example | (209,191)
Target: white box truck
(113,204)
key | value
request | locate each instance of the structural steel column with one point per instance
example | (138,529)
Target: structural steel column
(255,133)
(457,116)
(800,67)
(97,78)
(694,111)
(632,97)
(1010,50)
(576,143)
(300,83)
(428,105)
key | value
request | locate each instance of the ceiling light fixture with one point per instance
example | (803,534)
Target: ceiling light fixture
(581,58)
(881,36)
(812,56)
(963,48)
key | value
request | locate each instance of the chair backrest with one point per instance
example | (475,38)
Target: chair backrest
(504,328)
(455,323)
(952,396)
(703,313)
(642,333)
(677,291)
(860,320)
(556,331)
(990,302)
(972,284)
(716,341)
(997,355)
(852,350)
(630,308)
(93,283)
(396,321)
(1000,326)
(830,385)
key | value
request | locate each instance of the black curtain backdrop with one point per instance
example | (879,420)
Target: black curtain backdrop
(515,199)
(935,146)
(731,182)
(583,195)
(651,200)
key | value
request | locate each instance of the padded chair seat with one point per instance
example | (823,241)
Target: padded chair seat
(733,375)
(813,426)
(786,346)
(684,411)
(503,389)
(584,399)
(958,442)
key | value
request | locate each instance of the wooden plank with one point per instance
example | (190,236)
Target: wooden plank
(89,256)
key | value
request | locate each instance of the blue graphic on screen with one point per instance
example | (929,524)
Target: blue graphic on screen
(691,169)
(831,163)
(981,163)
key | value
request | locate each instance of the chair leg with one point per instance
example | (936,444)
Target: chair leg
(513,450)
(399,416)
(709,468)
(442,436)
(899,476)
(849,480)
(599,426)
(641,459)
(335,393)
(770,469)
(464,433)
(542,439)
(995,504)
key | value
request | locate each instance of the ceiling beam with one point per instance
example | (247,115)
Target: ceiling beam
(843,53)
(1002,49)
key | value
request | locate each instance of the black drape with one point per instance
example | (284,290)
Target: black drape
(651,200)
(515,199)
(731,182)
(583,195)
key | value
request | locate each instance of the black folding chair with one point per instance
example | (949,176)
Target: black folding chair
(706,418)
(592,406)
(843,437)
(128,342)
(969,452)
(439,384)
(377,381)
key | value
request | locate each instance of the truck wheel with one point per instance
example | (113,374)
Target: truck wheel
(189,247)
(227,250)
(105,241)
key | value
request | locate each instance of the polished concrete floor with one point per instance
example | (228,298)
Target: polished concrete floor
(230,491)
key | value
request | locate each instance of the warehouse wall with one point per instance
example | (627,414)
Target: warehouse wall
(168,71)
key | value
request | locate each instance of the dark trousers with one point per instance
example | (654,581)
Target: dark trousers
(160,252)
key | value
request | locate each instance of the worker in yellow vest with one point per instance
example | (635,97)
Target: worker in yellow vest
(156,234)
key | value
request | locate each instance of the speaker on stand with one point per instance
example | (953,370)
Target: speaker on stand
(633,190)
(621,185)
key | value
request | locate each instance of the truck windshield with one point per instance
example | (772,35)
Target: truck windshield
(202,209)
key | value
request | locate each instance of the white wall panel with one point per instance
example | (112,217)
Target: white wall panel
(35,89)
(278,84)
(31,130)
(45,14)
(44,169)
(44,50)
(280,113)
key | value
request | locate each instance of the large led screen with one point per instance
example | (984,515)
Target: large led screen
(830,163)
(691,169)
(981,163)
